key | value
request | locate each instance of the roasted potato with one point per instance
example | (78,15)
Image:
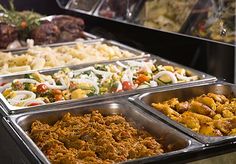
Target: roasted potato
(209,130)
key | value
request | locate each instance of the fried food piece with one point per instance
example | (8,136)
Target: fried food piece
(182,107)
(220,108)
(223,125)
(207,101)
(232,107)
(233,132)
(208,129)
(218,98)
(227,114)
(165,109)
(190,122)
(227,106)
(172,102)
(202,119)
(200,108)
(217,117)
(233,122)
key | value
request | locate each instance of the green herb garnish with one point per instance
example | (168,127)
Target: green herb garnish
(24,21)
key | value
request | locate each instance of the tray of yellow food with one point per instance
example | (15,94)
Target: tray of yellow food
(104,132)
(64,54)
(205,112)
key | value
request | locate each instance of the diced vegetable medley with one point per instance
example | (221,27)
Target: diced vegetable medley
(38,89)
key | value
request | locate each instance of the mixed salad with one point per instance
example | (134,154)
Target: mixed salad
(38,89)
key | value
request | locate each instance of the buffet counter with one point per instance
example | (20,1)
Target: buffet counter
(107,85)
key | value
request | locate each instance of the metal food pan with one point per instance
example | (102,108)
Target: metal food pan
(204,78)
(137,53)
(199,12)
(140,9)
(205,13)
(183,94)
(69,6)
(20,125)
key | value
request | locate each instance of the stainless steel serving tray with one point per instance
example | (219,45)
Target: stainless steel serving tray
(201,15)
(137,21)
(9,109)
(93,7)
(20,51)
(19,125)
(185,93)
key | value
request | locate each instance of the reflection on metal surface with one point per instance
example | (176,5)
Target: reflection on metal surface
(118,10)
(165,14)
(83,6)
(86,5)
(215,21)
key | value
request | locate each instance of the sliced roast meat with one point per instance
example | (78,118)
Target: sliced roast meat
(71,27)
(46,33)
(8,34)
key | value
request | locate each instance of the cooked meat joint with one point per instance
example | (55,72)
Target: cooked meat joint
(46,33)
(93,138)
(60,29)
(8,34)
(71,27)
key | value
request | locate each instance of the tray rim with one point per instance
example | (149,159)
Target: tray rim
(90,12)
(136,6)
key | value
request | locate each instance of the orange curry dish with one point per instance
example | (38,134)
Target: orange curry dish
(93,138)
